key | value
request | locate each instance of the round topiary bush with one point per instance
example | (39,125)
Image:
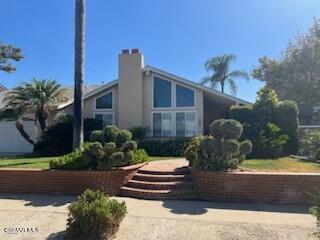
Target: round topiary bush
(128,146)
(109,133)
(96,136)
(122,137)
(221,151)
(94,216)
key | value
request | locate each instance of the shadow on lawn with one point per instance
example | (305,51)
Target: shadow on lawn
(201,207)
(40,200)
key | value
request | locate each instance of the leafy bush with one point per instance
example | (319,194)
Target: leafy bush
(270,124)
(243,114)
(310,144)
(286,118)
(122,137)
(192,151)
(165,147)
(109,133)
(71,161)
(221,150)
(57,139)
(129,146)
(139,156)
(96,136)
(94,216)
(139,133)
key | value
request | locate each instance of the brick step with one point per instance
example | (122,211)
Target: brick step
(158,194)
(160,185)
(161,178)
(180,171)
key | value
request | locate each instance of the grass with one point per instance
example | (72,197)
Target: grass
(25,162)
(41,162)
(284,164)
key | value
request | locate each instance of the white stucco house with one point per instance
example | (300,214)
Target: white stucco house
(169,105)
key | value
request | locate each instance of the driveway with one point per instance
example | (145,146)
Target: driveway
(46,216)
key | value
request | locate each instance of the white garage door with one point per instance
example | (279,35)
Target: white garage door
(11,142)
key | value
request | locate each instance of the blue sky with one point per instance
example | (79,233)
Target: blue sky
(174,35)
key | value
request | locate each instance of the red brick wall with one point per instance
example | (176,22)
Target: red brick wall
(57,181)
(256,187)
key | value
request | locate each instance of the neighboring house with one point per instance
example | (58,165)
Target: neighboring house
(309,116)
(2,88)
(170,106)
(11,142)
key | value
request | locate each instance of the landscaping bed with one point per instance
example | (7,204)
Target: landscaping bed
(63,181)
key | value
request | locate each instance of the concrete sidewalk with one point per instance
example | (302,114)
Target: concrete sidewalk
(162,219)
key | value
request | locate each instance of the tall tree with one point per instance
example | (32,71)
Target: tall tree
(9,53)
(37,97)
(78,72)
(16,114)
(219,73)
(296,75)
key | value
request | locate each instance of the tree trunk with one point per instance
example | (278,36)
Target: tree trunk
(222,87)
(23,133)
(78,73)
(42,116)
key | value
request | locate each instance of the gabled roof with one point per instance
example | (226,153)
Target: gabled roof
(3,87)
(165,74)
(90,93)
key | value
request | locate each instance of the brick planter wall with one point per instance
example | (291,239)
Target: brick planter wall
(58,181)
(256,187)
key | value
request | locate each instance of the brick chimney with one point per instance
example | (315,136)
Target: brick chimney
(130,103)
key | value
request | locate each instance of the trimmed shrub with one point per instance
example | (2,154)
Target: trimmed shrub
(96,136)
(270,124)
(192,151)
(129,146)
(57,139)
(221,151)
(139,156)
(165,147)
(71,161)
(139,133)
(109,133)
(94,216)
(117,159)
(90,125)
(286,118)
(243,114)
(122,137)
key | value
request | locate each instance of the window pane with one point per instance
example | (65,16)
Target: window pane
(161,93)
(99,116)
(180,124)
(104,101)
(157,124)
(190,124)
(108,119)
(166,125)
(185,97)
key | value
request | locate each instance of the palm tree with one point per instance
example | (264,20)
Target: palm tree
(16,114)
(38,97)
(219,69)
(78,73)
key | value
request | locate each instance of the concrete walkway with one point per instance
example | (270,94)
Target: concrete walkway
(162,219)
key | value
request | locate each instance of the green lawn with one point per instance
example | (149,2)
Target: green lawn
(41,162)
(284,164)
(25,162)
